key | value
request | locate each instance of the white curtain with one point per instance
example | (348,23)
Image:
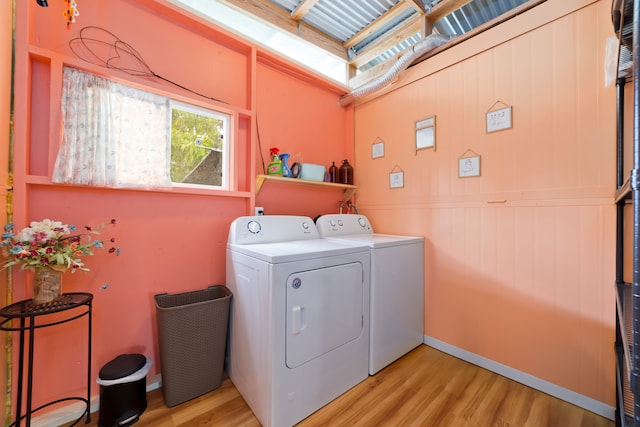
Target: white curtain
(112,134)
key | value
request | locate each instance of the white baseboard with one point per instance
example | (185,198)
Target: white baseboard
(73,411)
(554,390)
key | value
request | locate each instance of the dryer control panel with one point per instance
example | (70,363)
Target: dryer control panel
(247,230)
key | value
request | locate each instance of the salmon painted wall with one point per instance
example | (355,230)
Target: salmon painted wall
(520,260)
(171,240)
(306,125)
(6,24)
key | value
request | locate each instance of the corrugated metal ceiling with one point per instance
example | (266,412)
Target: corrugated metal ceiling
(343,19)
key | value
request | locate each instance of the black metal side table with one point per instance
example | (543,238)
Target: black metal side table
(32,316)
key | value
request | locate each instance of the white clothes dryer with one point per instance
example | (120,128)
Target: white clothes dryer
(299,316)
(397,285)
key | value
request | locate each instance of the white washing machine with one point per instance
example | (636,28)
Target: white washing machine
(299,319)
(397,285)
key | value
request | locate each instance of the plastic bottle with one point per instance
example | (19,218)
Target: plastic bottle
(286,172)
(333,172)
(346,173)
(275,167)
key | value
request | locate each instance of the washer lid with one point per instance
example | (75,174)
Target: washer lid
(378,240)
(357,229)
(298,250)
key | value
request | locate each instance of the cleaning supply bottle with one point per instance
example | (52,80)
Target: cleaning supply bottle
(333,172)
(286,172)
(275,167)
(346,173)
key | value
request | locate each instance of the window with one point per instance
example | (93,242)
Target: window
(120,136)
(199,149)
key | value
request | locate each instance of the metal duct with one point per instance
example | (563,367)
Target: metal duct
(423,46)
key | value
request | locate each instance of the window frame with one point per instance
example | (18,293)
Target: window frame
(227,119)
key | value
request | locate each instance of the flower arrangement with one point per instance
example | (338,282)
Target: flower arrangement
(50,243)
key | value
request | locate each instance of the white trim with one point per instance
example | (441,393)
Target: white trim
(225,134)
(554,390)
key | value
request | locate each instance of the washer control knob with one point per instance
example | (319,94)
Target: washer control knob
(254,227)
(362,222)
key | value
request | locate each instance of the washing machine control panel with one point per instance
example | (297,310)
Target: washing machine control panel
(337,225)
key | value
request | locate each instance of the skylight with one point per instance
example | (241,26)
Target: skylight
(266,35)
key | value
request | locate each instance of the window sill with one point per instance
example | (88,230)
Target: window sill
(43,180)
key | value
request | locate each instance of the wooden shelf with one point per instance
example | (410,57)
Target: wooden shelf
(349,190)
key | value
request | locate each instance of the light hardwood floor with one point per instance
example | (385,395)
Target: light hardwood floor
(424,388)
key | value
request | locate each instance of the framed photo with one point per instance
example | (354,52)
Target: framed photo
(426,133)
(377,150)
(468,166)
(396,179)
(499,119)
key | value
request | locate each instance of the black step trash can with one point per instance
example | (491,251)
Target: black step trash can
(192,335)
(123,390)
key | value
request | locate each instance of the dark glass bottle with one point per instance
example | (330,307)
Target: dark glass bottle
(346,173)
(333,172)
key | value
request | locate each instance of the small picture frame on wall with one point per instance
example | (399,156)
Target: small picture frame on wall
(396,178)
(469,165)
(426,133)
(377,149)
(498,118)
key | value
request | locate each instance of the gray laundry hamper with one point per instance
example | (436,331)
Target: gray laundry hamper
(192,334)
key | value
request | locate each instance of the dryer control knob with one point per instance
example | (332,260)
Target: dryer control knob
(254,227)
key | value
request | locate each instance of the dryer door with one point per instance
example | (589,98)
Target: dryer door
(324,311)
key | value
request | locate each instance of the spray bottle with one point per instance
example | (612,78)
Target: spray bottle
(286,171)
(275,167)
